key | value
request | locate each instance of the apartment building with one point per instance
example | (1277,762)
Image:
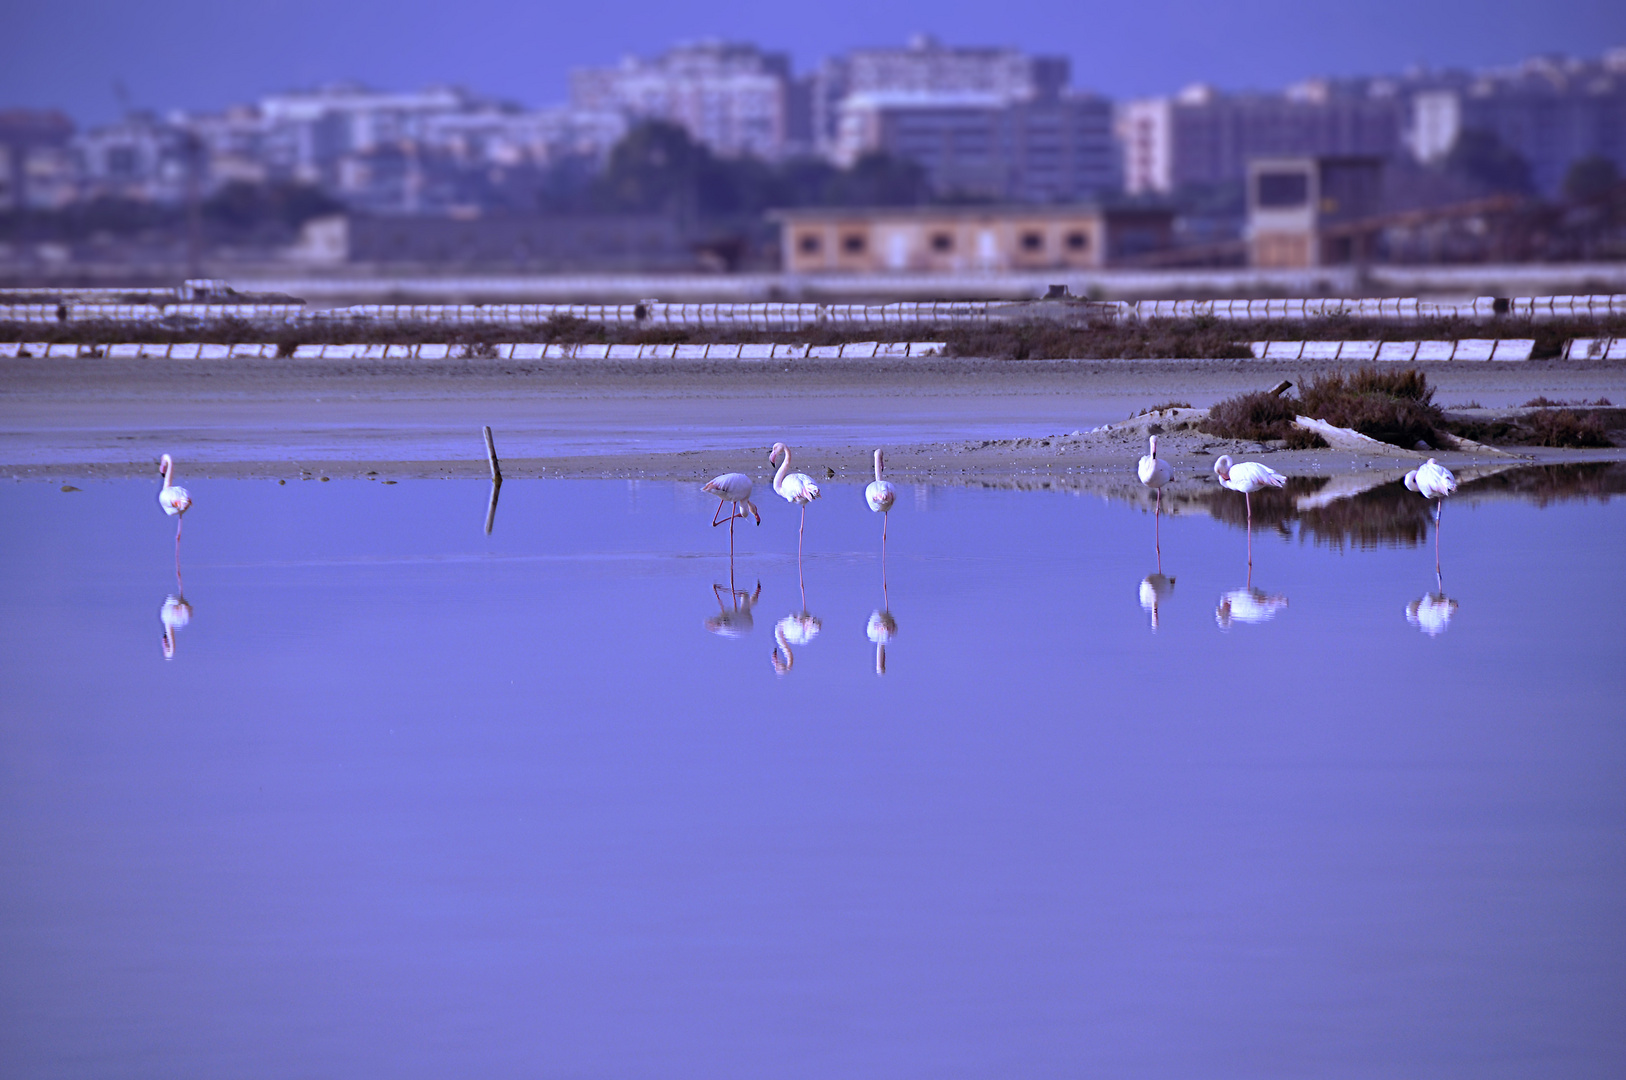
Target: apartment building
(732,97)
(1552,111)
(1201,136)
(1057,149)
(927,69)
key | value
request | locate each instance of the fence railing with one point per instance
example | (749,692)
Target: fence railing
(793,316)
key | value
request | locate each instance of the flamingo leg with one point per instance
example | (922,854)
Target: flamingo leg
(1157,530)
(717,518)
(1438,506)
(800,529)
(1247,498)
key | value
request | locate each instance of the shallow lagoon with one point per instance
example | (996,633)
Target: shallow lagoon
(411,800)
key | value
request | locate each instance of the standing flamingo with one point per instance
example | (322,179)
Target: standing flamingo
(880,494)
(175,502)
(733,488)
(1154,474)
(1247,477)
(795,488)
(1434,481)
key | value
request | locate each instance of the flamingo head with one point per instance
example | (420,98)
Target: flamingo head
(773,455)
(1222,467)
(751,506)
(1411,480)
(166,465)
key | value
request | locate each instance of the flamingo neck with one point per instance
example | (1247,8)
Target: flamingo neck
(784,469)
(877,465)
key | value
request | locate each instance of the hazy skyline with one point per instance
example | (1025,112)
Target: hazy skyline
(195,55)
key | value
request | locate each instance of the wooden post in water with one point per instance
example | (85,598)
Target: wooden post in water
(491,453)
(496,480)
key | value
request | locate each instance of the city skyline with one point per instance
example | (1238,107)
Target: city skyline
(197,57)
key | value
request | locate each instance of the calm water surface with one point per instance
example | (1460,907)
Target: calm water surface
(413,801)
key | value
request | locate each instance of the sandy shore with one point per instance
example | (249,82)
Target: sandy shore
(964,421)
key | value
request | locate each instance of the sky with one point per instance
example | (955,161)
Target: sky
(204,54)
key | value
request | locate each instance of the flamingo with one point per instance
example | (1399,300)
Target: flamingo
(1434,481)
(1154,474)
(880,494)
(733,488)
(795,488)
(1247,477)
(175,501)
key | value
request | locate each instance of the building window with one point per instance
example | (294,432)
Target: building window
(1280,189)
(1078,240)
(942,241)
(808,244)
(1032,241)
(853,243)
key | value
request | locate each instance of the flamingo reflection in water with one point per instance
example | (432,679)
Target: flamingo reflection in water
(1432,614)
(1247,605)
(1154,589)
(793,630)
(175,615)
(796,629)
(733,618)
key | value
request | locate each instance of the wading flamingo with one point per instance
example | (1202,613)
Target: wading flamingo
(795,488)
(880,494)
(175,501)
(1247,477)
(1434,481)
(1154,474)
(733,488)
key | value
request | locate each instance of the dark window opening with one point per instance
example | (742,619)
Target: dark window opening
(853,243)
(1078,241)
(808,244)
(943,241)
(1283,189)
(1032,241)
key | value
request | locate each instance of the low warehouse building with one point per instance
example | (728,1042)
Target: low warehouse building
(949,239)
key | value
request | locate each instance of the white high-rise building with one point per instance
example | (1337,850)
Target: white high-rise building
(731,97)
